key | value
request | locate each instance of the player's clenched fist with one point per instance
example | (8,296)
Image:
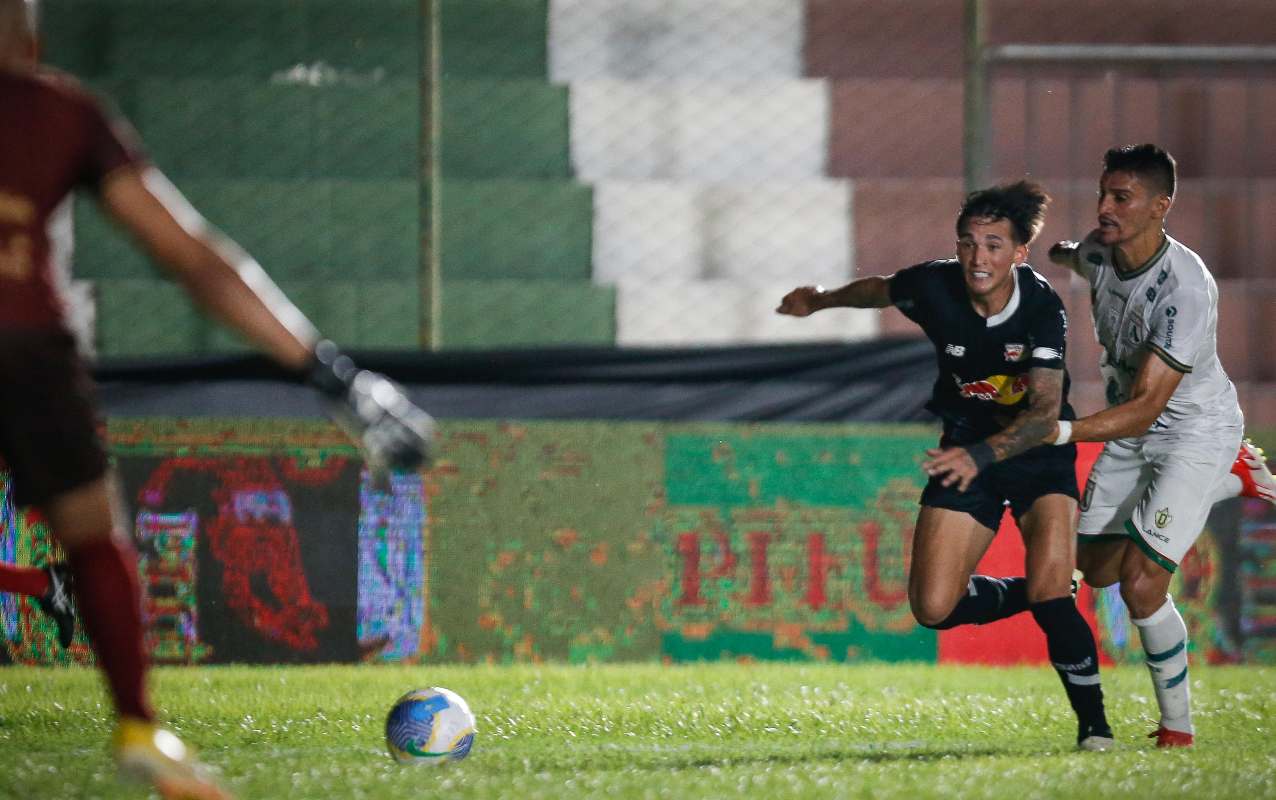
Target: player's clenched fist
(802,301)
(1064,253)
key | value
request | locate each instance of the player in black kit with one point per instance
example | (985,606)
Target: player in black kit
(999,331)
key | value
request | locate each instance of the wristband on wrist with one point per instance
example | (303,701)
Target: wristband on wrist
(1065,432)
(982,454)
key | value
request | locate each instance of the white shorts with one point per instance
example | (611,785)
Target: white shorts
(1157,489)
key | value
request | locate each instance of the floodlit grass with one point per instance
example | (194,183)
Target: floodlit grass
(768,731)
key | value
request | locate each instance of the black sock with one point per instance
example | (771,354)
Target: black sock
(988,600)
(1075,657)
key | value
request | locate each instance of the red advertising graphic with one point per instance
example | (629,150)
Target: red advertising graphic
(253,538)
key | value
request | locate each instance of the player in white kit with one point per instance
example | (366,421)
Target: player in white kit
(1173,426)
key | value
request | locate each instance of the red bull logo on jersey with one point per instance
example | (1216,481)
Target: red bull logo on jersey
(1004,389)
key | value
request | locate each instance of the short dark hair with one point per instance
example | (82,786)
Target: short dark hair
(1022,204)
(1155,168)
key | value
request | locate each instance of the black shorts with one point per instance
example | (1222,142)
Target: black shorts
(1016,482)
(48,418)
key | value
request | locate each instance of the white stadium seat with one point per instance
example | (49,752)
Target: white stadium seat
(748,40)
(681,130)
(778,232)
(721,311)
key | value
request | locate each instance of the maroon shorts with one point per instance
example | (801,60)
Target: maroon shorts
(48,418)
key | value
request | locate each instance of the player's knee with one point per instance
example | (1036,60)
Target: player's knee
(1142,593)
(1098,566)
(930,609)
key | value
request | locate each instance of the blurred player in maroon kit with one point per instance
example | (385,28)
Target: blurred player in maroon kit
(55,140)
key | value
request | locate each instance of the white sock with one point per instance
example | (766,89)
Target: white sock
(1164,639)
(1226,489)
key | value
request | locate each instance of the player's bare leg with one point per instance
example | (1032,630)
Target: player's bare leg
(1100,562)
(1051,553)
(947,547)
(1144,586)
(104,565)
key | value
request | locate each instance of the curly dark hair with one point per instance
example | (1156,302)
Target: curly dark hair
(1155,168)
(1022,204)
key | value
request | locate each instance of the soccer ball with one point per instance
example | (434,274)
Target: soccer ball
(429,726)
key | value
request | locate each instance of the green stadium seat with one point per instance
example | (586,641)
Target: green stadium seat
(376,230)
(189,128)
(389,315)
(189,38)
(147,317)
(305,231)
(235,128)
(233,38)
(494,38)
(364,36)
(75,35)
(500,313)
(506,129)
(102,251)
(510,230)
(331,305)
(371,132)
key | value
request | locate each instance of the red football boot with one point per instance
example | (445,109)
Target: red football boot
(1256,479)
(1168,738)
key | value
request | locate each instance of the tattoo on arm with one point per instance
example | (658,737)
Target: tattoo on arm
(1037,422)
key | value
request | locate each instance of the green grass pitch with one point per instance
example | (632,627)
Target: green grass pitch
(769,731)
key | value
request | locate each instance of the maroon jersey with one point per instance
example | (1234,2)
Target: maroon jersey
(54,138)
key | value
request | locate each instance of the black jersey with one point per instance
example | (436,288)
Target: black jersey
(983,362)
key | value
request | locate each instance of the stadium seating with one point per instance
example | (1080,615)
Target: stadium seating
(294,126)
(749,40)
(709,154)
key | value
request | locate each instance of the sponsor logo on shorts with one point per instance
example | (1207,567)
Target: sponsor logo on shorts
(1015,352)
(1155,535)
(1088,495)
(1163,518)
(955,350)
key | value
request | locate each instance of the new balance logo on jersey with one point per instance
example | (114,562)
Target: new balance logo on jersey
(955,350)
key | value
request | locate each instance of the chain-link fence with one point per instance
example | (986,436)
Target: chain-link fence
(636,172)
(1055,120)
(294,126)
(708,151)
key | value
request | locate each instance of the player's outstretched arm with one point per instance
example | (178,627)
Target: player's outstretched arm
(1153,385)
(230,284)
(874,292)
(1067,254)
(219,275)
(1035,426)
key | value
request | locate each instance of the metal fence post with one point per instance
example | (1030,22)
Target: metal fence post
(976,123)
(430,283)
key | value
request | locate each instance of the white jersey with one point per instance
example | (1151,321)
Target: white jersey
(1168,307)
